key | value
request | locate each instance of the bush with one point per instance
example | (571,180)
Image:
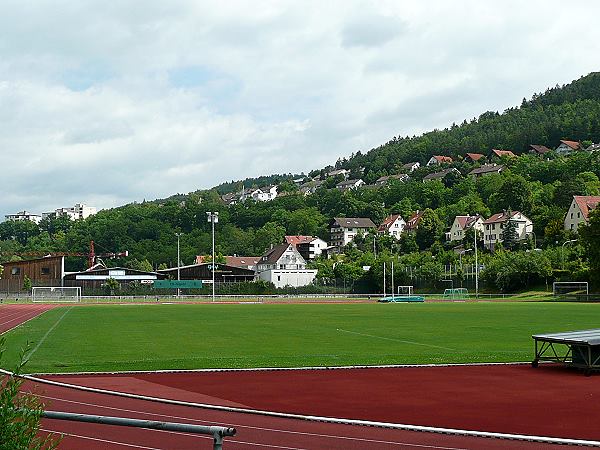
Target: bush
(20,414)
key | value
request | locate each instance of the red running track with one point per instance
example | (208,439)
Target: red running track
(252,431)
(549,401)
(13,315)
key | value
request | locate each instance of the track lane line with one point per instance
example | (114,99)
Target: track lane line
(30,354)
(240,426)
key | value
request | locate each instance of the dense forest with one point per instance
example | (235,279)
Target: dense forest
(540,187)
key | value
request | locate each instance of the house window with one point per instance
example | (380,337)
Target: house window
(16,271)
(571,226)
(45,270)
(278,277)
(578,215)
(571,215)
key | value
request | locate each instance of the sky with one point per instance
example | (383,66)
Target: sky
(106,103)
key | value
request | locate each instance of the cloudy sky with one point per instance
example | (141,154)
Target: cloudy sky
(106,103)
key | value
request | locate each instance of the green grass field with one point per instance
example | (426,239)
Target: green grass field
(151,337)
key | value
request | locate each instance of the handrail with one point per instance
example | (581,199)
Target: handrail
(217,432)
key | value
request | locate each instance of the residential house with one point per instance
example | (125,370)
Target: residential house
(486,169)
(283,265)
(382,181)
(463,223)
(593,148)
(344,229)
(309,246)
(474,157)
(350,184)
(310,187)
(230,199)
(568,147)
(579,211)
(440,175)
(24,215)
(413,222)
(494,226)
(411,166)
(263,194)
(392,225)
(538,149)
(343,172)
(495,153)
(438,160)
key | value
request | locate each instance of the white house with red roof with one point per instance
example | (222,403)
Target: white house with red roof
(392,225)
(567,147)
(284,266)
(462,224)
(494,226)
(579,211)
(413,222)
(437,160)
(309,246)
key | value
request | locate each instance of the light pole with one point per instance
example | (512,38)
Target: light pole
(476,265)
(178,262)
(562,253)
(462,253)
(213,217)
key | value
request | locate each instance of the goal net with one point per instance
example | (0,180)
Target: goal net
(42,294)
(456,294)
(405,291)
(570,288)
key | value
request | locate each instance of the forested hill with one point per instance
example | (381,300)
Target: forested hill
(562,112)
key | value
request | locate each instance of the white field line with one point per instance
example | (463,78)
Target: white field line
(312,418)
(268,369)
(393,339)
(30,354)
(241,426)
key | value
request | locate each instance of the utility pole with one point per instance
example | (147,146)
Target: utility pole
(213,217)
(393,293)
(178,263)
(384,279)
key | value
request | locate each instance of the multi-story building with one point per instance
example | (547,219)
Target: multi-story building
(284,266)
(494,227)
(463,223)
(309,246)
(392,225)
(24,215)
(77,212)
(344,229)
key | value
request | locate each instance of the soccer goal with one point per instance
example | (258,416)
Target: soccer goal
(44,294)
(456,294)
(405,291)
(570,288)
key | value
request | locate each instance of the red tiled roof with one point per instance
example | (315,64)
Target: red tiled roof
(443,159)
(414,220)
(501,153)
(539,149)
(475,156)
(295,240)
(500,217)
(467,221)
(586,204)
(235,261)
(573,144)
(387,223)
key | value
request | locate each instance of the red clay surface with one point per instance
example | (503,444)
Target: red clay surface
(548,401)
(14,314)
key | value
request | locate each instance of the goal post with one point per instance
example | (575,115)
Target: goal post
(48,294)
(456,294)
(405,291)
(570,288)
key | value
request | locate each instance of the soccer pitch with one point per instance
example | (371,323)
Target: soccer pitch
(153,337)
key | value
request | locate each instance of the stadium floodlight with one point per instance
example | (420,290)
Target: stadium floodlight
(178,262)
(213,217)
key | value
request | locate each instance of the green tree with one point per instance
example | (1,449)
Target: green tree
(27,284)
(509,233)
(429,230)
(111,285)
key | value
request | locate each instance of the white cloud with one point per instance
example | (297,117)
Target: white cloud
(108,103)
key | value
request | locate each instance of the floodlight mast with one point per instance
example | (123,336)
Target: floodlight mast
(178,263)
(213,217)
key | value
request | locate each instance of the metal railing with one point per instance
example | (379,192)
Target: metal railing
(217,432)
